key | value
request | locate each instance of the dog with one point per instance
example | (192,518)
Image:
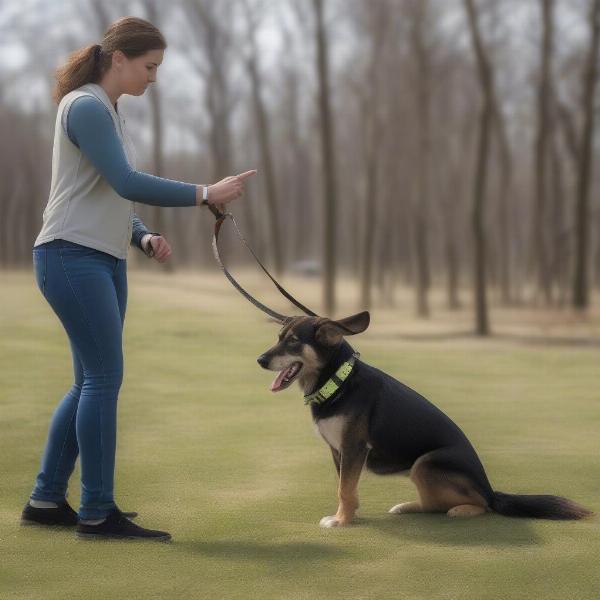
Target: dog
(369,418)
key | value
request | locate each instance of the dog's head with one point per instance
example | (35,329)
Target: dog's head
(305,346)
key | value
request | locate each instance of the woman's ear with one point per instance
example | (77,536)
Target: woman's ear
(330,333)
(118,58)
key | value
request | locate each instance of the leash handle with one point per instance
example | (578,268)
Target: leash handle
(220,219)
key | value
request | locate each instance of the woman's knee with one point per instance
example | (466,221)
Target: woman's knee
(106,380)
(106,376)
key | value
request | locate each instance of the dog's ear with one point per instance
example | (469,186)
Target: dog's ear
(330,333)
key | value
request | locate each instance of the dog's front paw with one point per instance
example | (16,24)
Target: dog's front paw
(331,521)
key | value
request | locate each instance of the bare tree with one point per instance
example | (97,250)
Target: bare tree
(373,22)
(505,204)
(582,217)
(212,59)
(296,142)
(328,156)
(542,152)
(451,176)
(158,213)
(420,11)
(479,189)
(264,136)
(216,42)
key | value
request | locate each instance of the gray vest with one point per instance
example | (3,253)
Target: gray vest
(83,207)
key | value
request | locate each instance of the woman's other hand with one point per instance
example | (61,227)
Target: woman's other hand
(156,247)
(226,190)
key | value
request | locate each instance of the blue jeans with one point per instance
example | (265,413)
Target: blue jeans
(87,289)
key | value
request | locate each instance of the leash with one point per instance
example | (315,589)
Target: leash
(220,219)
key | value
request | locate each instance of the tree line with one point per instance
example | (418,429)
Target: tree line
(415,143)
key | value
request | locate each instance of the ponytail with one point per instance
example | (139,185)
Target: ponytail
(131,35)
(83,66)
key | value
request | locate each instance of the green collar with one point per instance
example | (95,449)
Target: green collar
(333,384)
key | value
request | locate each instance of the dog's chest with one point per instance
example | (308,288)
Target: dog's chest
(332,429)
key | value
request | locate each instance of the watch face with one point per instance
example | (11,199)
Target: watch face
(149,249)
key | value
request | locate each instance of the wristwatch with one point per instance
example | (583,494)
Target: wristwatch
(205,195)
(149,251)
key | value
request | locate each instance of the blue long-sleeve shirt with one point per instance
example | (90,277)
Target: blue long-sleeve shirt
(91,128)
(138,231)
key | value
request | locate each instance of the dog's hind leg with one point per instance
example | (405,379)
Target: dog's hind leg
(442,490)
(405,508)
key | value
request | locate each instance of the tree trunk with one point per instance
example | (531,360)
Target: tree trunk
(506,175)
(544,131)
(479,190)
(582,220)
(264,138)
(158,212)
(329,168)
(369,207)
(373,141)
(423,102)
(561,250)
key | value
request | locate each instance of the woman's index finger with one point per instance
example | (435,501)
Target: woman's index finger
(247,174)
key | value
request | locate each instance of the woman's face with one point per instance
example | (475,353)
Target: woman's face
(134,74)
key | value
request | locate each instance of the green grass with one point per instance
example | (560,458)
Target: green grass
(240,479)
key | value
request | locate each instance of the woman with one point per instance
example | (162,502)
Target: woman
(80,266)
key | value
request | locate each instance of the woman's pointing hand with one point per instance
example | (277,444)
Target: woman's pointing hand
(224,191)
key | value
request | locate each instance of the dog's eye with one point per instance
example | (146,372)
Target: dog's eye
(294,339)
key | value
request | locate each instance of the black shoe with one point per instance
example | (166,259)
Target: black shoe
(62,516)
(117,526)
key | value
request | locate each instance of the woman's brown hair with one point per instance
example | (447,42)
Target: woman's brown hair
(131,35)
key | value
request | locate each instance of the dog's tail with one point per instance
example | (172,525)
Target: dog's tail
(538,507)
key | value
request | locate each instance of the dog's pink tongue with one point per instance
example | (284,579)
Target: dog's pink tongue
(276,385)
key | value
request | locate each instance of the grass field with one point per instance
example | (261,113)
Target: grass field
(241,480)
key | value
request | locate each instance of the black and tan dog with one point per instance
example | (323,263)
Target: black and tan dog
(368,417)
